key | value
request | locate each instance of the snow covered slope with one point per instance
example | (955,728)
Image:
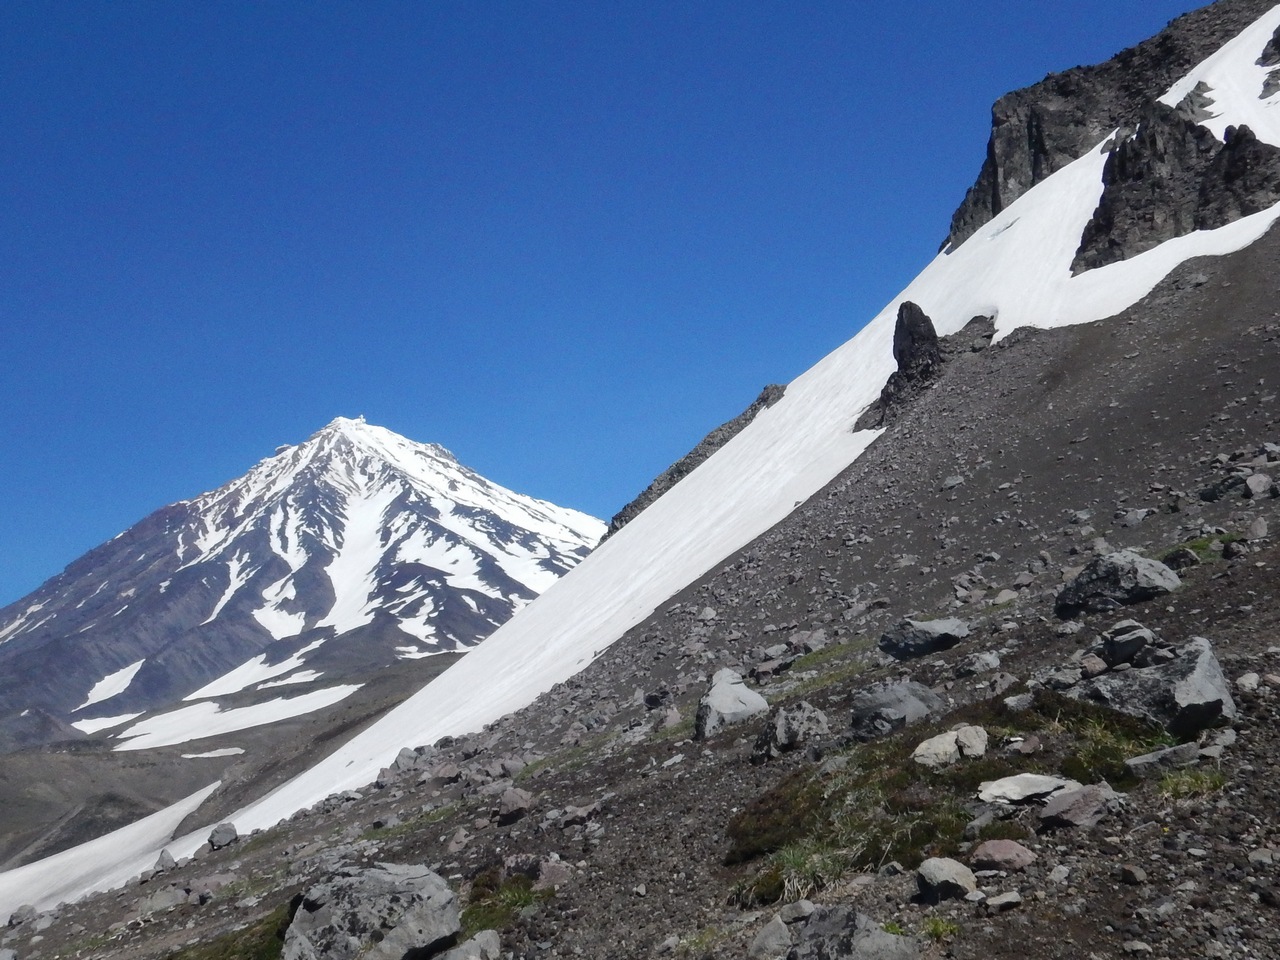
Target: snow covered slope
(332,558)
(1017,269)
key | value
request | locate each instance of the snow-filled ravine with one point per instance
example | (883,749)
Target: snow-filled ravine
(1017,268)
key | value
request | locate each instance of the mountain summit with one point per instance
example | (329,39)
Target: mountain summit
(343,553)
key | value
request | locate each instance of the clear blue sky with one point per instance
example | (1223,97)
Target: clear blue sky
(563,239)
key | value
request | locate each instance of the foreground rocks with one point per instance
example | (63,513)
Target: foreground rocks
(920,638)
(1116,580)
(843,933)
(728,701)
(382,913)
(1185,695)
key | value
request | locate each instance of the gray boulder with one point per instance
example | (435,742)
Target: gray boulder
(842,933)
(772,942)
(920,638)
(1081,807)
(941,878)
(382,913)
(514,805)
(728,701)
(789,728)
(1115,580)
(889,706)
(485,945)
(1184,695)
(223,835)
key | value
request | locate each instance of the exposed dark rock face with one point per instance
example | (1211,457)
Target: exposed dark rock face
(1271,53)
(1151,184)
(709,444)
(919,357)
(1243,179)
(1173,177)
(1040,129)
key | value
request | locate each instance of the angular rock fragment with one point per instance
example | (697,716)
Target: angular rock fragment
(789,728)
(919,638)
(1080,807)
(381,913)
(842,932)
(1023,787)
(1115,580)
(728,701)
(1002,855)
(885,707)
(1184,695)
(941,878)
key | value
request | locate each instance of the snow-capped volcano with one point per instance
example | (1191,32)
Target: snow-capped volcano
(333,557)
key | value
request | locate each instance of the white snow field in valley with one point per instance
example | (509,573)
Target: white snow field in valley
(1017,269)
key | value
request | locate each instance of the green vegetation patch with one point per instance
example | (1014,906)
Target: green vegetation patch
(262,940)
(411,825)
(812,828)
(496,900)
(1203,547)
(1191,783)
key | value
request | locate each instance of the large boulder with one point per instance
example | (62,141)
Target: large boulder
(789,728)
(941,878)
(1115,580)
(920,638)
(381,913)
(1185,695)
(889,706)
(223,835)
(1080,807)
(726,702)
(842,933)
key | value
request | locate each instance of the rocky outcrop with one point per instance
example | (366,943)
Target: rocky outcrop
(920,638)
(1039,130)
(382,913)
(1115,580)
(1172,177)
(709,444)
(728,701)
(918,354)
(1184,695)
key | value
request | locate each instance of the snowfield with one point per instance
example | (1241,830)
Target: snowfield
(1017,269)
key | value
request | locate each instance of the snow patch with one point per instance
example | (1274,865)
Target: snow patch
(213,754)
(100,864)
(202,720)
(94,724)
(112,685)
(250,672)
(302,676)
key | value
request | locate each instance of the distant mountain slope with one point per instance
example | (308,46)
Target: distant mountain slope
(330,559)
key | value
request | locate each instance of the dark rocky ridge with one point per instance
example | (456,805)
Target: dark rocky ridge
(708,445)
(1040,129)
(1172,177)
(920,354)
